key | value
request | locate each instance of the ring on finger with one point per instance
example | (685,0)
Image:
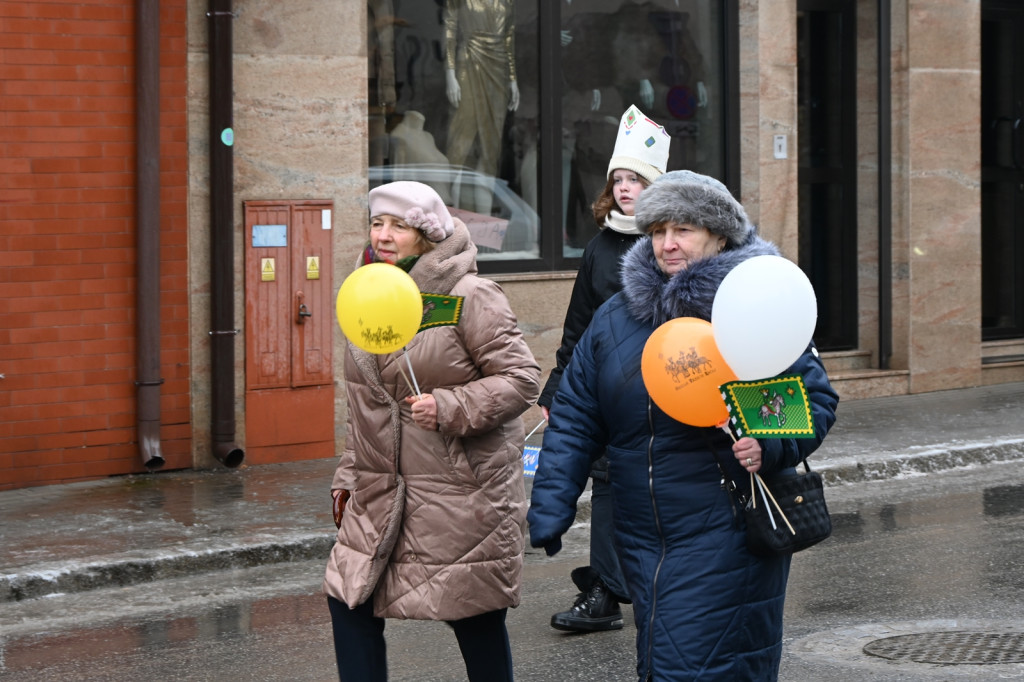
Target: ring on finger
(750,462)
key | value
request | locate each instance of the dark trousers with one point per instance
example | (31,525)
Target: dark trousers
(362,653)
(603,557)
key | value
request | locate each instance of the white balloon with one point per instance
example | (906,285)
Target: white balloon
(763,316)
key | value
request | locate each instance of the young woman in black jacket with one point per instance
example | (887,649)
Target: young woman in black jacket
(639,158)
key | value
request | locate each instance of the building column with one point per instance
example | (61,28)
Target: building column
(768,107)
(942,193)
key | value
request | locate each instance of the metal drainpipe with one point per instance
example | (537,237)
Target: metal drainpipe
(147,226)
(222,225)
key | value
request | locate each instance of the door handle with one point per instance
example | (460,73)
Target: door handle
(1014,143)
(303,310)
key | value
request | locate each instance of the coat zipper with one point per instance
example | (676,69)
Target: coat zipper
(657,523)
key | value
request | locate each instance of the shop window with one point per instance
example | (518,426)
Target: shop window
(509,109)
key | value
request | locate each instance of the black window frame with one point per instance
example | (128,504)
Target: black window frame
(550,144)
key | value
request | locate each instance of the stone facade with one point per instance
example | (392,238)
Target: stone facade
(301,132)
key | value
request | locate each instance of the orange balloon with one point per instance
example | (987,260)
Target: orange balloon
(682,370)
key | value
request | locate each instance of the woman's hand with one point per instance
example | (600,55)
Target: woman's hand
(748,453)
(340,498)
(424,411)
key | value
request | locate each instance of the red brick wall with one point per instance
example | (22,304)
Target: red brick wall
(67,240)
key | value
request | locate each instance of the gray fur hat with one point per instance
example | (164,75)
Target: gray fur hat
(687,197)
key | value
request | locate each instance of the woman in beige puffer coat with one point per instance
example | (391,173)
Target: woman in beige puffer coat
(429,492)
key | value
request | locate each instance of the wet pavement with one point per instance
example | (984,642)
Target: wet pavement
(141,528)
(934,564)
(216,574)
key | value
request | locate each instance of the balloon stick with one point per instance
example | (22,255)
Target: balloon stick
(408,363)
(407,382)
(753,497)
(768,493)
(542,421)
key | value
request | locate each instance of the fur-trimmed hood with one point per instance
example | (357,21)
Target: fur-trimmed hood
(654,297)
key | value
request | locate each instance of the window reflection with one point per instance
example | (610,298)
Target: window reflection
(453,98)
(456,89)
(663,57)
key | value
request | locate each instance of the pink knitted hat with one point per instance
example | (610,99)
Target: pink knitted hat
(415,203)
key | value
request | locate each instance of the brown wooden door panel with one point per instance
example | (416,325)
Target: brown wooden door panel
(268,333)
(311,338)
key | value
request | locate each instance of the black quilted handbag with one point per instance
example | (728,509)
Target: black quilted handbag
(786,513)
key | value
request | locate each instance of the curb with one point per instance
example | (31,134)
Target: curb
(915,462)
(55,578)
(60,578)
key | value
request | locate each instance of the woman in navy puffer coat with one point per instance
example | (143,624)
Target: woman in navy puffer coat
(705,608)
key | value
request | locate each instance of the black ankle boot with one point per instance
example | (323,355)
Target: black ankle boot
(595,609)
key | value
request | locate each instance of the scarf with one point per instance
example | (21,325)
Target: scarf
(622,223)
(370,256)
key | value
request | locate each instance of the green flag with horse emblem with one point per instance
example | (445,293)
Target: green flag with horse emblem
(439,310)
(770,408)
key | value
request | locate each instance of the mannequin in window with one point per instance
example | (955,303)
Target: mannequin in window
(411,144)
(381,39)
(480,83)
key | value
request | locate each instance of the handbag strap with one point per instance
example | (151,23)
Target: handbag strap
(741,499)
(728,483)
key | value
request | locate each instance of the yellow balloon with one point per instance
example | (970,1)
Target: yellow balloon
(379,308)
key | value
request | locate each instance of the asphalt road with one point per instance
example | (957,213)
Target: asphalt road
(922,556)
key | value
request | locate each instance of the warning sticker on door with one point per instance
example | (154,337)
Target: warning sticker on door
(312,267)
(267,269)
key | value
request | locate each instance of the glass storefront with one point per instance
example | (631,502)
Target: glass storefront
(462,95)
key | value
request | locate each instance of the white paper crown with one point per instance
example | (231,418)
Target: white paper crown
(640,146)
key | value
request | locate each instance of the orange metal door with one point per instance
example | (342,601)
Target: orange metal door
(289,408)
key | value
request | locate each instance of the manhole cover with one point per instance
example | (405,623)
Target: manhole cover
(951,648)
